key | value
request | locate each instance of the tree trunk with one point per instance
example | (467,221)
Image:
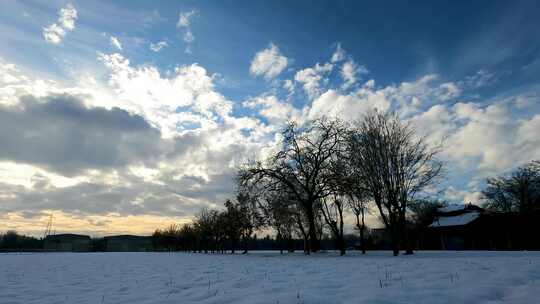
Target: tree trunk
(362,228)
(362,240)
(341,245)
(291,246)
(245,245)
(408,243)
(279,239)
(314,244)
(395,240)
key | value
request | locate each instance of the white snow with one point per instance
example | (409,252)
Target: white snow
(455,220)
(426,277)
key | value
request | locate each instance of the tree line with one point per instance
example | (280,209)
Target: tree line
(320,172)
(325,170)
(13,241)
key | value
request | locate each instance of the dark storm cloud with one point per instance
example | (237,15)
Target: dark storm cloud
(61,134)
(131,197)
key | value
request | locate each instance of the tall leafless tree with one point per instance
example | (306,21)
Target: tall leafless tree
(303,166)
(395,164)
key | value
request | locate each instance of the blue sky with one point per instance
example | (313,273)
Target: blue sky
(179,93)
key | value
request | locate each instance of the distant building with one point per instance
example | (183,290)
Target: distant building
(67,242)
(469,227)
(453,225)
(128,243)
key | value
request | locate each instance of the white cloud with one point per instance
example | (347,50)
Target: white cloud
(268,62)
(351,106)
(349,72)
(447,91)
(277,112)
(115,42)
(157,47)
(184,22)
(454,195)
(339,54)
(201,144)
(485,140)
(184,19)
(145,90)
(55,32)
(312,77)
(14,83)
(289,86)
(480,79)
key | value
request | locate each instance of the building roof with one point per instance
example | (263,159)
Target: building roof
(126,237)
(455,220)
(454,209)
(66,236)
(451,208)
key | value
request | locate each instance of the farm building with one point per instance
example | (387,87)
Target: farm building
(469,227)
(453,226)
(128,243)
(67,242)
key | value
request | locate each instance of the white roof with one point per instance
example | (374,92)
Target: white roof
(455,220)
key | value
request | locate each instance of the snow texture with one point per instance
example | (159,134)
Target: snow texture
(455,220)
(267,277)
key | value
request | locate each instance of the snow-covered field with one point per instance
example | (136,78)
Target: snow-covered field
(267,277)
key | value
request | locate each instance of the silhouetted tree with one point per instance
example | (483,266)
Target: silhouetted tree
(519,191)
(13,241)
(424,211)
(303,166)
(395,165)
(251,218)
(168,238)
(358,203)
(332,208)
(233,229)
(280,215)
(205,225)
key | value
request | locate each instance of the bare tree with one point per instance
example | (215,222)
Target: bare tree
(395,165)
(205,224)
(279,211)
(233,229)
(250,218)
(303,166)
(351,186)
(520,191)
(358,203)
(332,208)
(496,195)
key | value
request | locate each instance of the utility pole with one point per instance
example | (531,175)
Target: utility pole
(48,229)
